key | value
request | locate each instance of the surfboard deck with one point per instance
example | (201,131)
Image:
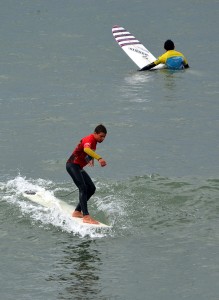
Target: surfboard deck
(45,199)
(138,53)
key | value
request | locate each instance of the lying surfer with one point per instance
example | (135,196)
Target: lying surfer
(84,154)
(173,59)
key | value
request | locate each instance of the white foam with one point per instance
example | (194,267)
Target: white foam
(14,190)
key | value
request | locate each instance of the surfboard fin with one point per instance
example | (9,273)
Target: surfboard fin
(30,192)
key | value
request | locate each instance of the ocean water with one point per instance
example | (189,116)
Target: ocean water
(62,73)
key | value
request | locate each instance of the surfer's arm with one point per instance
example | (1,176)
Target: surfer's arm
(185,63)
(148,67)
(91,153)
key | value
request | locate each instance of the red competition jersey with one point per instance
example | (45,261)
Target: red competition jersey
(78,155)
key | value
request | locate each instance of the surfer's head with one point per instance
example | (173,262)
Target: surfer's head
(100,133)
(169,45)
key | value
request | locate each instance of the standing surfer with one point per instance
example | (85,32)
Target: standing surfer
(84,154)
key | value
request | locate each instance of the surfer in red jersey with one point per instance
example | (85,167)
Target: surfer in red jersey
(173,59)
(83,155)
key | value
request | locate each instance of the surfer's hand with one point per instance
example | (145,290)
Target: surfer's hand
(102,162)
(91,163)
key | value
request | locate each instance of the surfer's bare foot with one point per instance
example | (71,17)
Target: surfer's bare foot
(77,214)
(89,220)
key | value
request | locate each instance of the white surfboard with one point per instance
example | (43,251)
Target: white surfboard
(140,55)
(46,199)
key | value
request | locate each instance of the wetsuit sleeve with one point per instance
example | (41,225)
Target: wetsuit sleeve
(148,67)
(185,63)
(92,153)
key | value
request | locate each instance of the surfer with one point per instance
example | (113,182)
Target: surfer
(173,59)
(84,154)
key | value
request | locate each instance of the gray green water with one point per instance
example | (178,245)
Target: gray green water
(62,74)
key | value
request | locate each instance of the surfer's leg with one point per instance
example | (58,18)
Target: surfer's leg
(75,172)
(89,183)
(90,191)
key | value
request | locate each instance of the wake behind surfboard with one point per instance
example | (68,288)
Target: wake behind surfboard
(140,55)
(46,199)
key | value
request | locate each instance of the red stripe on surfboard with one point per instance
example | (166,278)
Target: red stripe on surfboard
(129,44)
(127,40)
(128,37)
(122,35)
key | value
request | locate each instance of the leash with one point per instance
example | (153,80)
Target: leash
(63,196)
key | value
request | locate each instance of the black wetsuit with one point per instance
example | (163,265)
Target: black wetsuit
(84,183)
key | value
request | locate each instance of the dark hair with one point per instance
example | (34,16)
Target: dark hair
(100,128)
(169,45)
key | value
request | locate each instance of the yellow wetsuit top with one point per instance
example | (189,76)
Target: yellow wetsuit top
(172,59)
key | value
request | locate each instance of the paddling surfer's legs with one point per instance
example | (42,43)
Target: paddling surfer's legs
(85,185)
